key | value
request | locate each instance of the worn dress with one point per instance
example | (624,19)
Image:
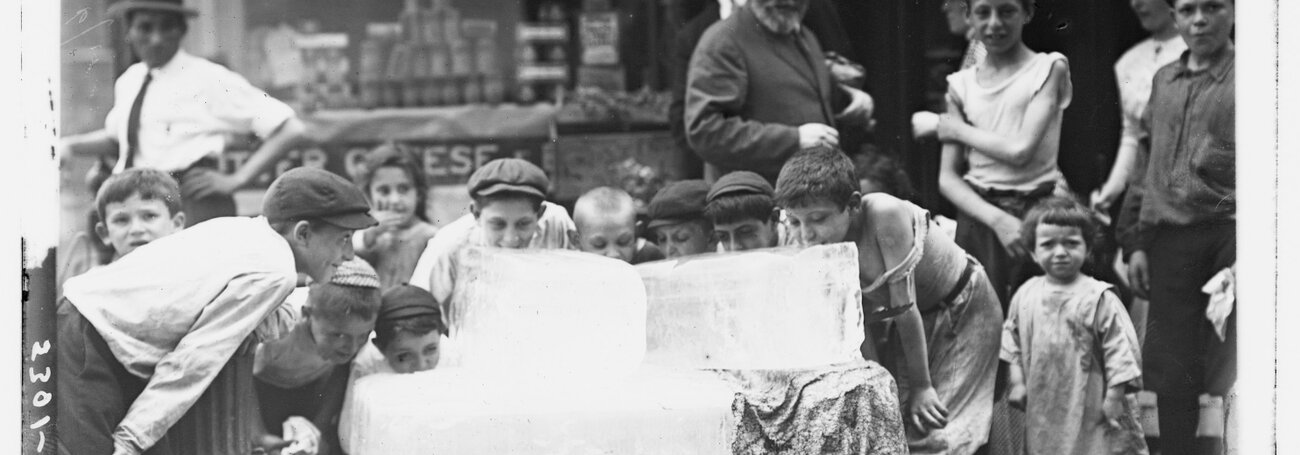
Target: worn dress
(1073,342)
(961,320)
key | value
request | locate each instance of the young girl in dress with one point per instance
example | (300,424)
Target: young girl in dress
(1073,351)
(397,191)
(1001,135)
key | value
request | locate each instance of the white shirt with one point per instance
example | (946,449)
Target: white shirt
(174,311)
(190,107)
(435,271)
(1001,109)
(1134,71)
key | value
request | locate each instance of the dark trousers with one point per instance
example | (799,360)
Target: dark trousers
(1183,357)
(94,392)
(93,389)
(198,210)
(320,401)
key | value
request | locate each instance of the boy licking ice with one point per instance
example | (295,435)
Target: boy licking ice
(141,339)
(606,220)
(408,334)
(743,213)
(302,377)
(408,339)
(945,315)
(677,219)
(508,210)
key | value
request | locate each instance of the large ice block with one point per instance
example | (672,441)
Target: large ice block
(545,311)
(779,308)
(460,411)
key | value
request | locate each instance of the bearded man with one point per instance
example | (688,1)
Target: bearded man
(758,90)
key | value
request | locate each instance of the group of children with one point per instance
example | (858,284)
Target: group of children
(143,339)
(932,313)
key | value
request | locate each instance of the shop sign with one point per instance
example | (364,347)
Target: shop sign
(443,162)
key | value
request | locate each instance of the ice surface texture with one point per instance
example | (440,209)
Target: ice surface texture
(780,308)
(545,311)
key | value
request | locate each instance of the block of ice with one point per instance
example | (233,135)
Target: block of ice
(779,308)
(460,411)
(545,311)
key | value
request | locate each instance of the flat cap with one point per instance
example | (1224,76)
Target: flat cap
(677,202)
(407,301)
(508,174)
(740,182)
(308,192)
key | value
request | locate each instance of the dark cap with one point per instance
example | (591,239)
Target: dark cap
(740,182)
(171,6)
(508,174)
(308,192)
(677,202)
(407,301)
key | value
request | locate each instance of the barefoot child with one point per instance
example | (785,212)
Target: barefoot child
(135,207)
(945,314)
(397,190)
(677,219)
(1073,352)
(302,377)
(142,339)
(606,220)
(1002,130)
(743,213)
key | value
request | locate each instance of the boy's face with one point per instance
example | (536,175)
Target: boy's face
(1206,25)
(339,339)
(508,223)
(391,190)
(749,234)
(820,223)
(134,222)
(1154,14)
(409,353)
(155,36)
(1060,251)
(612,235)
(998,23)
(683,239)
(322,247)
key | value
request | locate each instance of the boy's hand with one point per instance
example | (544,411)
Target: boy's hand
(1016,396)
(925,412)
(304,437)
(1113,408)
(1008,229)
(1138,276)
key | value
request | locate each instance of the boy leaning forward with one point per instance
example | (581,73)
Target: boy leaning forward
(141,340)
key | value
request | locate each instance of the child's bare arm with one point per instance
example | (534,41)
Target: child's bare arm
(1016,393)
(968,201)
(893,221)
(1016,149)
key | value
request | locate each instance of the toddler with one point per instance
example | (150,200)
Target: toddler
(1073,352)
